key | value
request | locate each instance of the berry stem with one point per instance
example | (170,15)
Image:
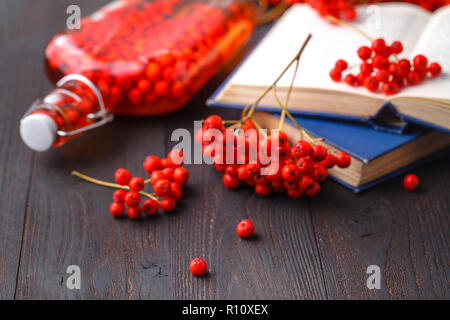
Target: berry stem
(110,184)
(249,109)
(349,25)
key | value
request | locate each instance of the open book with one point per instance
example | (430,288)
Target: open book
(316,94)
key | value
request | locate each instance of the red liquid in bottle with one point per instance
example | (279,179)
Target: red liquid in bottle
(134,57)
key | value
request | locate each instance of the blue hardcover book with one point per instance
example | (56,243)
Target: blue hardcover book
(316,95)
(376,155)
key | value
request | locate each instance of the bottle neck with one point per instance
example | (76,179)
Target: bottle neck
(73,107)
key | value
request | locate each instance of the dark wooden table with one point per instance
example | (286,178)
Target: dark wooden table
(307,249)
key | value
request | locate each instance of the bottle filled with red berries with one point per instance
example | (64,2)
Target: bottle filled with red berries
(133,57)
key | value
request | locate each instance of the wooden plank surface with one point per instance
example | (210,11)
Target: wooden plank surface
(303,249)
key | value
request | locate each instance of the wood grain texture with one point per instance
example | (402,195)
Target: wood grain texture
(317,249)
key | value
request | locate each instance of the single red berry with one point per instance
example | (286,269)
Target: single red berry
(411,182)
(155,176)
(320,173)
(132,198)
(313,190)
(122,176)
(413,78)
(230,182)
(336,74)
(305,165)
(280,136)
(137,184)
(150,206)
(366,68)
(165,163)
(232,170)
(319,153)
(296,193)
(379,46)
(262,189)
(434,69)
(380,62)
(119,195)
(302,148)
(329,161)
(395,69)
(405,65)
(117,209)
(181,175)
(243,173)
(245,228)
(351,80)
(307,182)
(343,160)
(168,204)
(151,163)
(162,187)
(175,193)
(382,75)
(389,88)
(198,267)
(254,168)
(371,83)
(213,122)
(364,53)
(168,173)
(290,172)
(349,14)
(341,65)
(396,47)
(134,212)
(420,62)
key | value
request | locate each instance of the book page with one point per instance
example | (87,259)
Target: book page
(435,45)
(329,43)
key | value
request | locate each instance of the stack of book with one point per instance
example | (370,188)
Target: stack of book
(385,135)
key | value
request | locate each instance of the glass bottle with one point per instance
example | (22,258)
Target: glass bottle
(133,57)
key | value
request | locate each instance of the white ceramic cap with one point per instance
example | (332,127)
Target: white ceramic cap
(38,131)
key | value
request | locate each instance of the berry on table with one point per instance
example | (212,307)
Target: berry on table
(117,209)
(168,204)
(230,182)
(198,267)
(134,212)
(150,206)
(411,182)
(245,228)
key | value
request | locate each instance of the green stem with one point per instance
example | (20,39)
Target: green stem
(110,185)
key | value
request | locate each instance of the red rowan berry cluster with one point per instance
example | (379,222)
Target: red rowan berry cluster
(277,168)
(167,178)
(380,68)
